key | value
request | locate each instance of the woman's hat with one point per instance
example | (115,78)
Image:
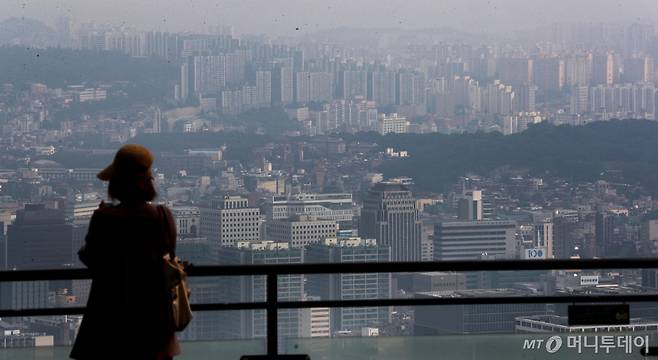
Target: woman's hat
(131,159)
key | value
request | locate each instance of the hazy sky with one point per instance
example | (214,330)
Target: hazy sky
(282,17)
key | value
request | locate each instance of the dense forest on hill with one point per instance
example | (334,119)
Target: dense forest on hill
(58,68)
(628,148)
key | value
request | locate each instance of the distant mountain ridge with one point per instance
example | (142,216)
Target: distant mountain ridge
(27,32)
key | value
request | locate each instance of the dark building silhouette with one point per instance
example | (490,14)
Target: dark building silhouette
(40,238)
(390,216)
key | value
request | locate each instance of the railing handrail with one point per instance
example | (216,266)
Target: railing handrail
(272,271)
(368,267)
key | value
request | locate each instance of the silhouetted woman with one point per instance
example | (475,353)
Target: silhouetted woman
(128,312)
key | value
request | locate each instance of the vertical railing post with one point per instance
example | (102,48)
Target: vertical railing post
(272,316)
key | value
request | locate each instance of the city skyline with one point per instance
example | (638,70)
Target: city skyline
(350,132)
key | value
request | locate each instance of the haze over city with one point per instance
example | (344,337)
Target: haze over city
(285,16)
(475,140)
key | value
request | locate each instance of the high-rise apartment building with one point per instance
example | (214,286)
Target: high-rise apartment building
(525,98)
(638,69)
(549,74)
(579,101)
(382,87)
(263,88)
(302,87)
(515,71)
(390,216)
(208,74)
(282,84)
(354,84)
(604,70)
(410,89)
(578,71)
(321,87)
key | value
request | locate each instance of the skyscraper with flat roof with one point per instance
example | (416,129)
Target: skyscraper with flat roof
(475,240)
(301,230)
(351,286)
(40,238)
(252,323)
(229,220)
(337,207)
(390,216)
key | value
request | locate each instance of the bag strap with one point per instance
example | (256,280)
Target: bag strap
(166,233)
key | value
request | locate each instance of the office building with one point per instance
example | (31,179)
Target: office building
(438,281)
(470,206)
(610,232)
(472,319)
(188,220)
(316,322)
(565,225)
(475,240)
(543,238)
(301,230)
(554,324)
(649,237)
(201,251)
(252,323)
(390,216)
(229,220)
(40,238)
(336,207)
(351,286)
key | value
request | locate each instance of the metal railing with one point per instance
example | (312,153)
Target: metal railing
(272,303)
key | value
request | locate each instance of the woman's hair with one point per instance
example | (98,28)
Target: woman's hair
(127,188)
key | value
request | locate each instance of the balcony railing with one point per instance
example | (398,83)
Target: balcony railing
(272,303)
